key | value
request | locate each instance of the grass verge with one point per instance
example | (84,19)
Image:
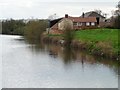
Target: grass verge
(103,42)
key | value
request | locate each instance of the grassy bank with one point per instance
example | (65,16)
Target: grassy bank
(99,41)
(102,42)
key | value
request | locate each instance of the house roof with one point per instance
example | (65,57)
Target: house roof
(81,19)
(53,23)
(92,14)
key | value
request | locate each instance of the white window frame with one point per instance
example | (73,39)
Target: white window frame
(92,23)
(87,23)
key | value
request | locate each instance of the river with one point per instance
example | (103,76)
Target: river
(26,65)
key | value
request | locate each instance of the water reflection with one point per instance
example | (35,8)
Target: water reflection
(43,65)
(70,55)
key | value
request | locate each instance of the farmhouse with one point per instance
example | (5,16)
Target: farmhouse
(100,18)
(77,23)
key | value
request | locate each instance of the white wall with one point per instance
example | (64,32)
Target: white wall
(64,23)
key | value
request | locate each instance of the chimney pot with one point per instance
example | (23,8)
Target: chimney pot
(83,15)
(66,15)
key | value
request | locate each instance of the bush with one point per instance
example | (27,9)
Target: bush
(117,22)
(34,29)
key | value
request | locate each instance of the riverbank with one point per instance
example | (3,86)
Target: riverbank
(100,42)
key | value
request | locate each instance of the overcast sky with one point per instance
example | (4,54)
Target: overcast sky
(19,9)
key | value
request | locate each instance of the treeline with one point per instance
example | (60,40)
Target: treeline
(13,27)
(31,29)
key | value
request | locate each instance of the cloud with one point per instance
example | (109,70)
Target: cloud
(44,8)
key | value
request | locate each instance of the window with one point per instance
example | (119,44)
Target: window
(87,24)
(79,24)
(75,23)
(92,24)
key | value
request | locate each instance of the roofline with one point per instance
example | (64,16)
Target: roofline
(56,19)
(94,12)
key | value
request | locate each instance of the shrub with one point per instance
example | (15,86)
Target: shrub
(34,29)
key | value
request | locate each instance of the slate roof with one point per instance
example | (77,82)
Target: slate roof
(92,14)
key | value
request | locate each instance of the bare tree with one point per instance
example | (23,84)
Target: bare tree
(104,14)
(116,12)
(101,12)
(98,11)
(118,6)
(52,17)
(117,16)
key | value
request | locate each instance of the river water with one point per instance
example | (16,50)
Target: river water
(27,65)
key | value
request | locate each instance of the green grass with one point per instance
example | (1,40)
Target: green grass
(109,36)
(99,41)
(97,34)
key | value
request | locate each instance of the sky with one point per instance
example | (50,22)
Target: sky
(42,9)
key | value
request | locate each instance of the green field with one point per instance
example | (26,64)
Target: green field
(105,35)
(98,41)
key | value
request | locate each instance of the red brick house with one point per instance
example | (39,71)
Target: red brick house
(77,23)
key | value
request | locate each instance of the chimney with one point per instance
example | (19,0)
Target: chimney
(66,15)
(83,15)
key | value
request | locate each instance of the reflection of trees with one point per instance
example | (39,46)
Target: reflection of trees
(52,50)
(83,58)
(36,46)
(53,54)
(110,63)
(39,47)
(68,54)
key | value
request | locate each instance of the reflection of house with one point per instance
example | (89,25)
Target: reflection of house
(100,19)
(77,23)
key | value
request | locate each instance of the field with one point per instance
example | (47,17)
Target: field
(109,36)
(102,42)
